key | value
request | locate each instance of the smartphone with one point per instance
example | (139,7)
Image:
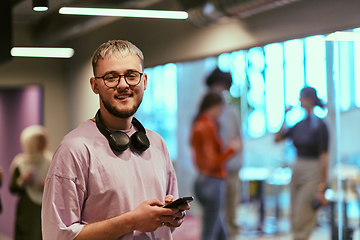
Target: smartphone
(179,201)
(316,204)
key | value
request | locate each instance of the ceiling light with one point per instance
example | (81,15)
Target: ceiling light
(40,5)
(124,12)
(45,52)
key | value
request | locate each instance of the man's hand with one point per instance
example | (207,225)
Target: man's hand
(178,213)
(150,215)
(147,217)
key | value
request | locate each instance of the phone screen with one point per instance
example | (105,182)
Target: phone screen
(179,201)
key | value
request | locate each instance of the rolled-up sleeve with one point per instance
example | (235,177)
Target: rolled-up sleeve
(64,196)
(61,211)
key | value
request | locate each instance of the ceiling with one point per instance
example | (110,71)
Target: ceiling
(24,15)
(49,28)
(229,25)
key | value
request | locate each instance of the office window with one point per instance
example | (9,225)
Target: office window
(274,86)
(357,67)
(224,62)
(294,71)
(345,70)
(270,78)
(266,80)
(238,71)
(158,111)
(256,92)
(315,65)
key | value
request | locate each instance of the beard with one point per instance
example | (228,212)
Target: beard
(121,113)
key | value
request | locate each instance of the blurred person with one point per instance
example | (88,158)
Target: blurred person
(210,160)
(110,178)
(28,172)
(311,140)
(220,82)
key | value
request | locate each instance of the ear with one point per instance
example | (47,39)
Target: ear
(145,80)
(94,85)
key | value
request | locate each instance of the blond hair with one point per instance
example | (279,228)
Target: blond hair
(119,48)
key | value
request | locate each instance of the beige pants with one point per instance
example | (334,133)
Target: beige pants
(231,204)
(304,182)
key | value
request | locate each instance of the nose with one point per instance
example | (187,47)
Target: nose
(122,83)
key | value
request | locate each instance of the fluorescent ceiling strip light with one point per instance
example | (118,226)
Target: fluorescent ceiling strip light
(45,52)
(40,9)
(124,12)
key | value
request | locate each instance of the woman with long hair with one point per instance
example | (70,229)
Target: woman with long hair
(210,157)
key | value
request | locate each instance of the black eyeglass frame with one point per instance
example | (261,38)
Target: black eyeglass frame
(141,74)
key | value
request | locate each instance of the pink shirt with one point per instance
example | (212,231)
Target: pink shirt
(87,182)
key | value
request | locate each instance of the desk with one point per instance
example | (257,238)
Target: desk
(276,177)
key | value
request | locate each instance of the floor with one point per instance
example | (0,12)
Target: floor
(272,230)
(191,229)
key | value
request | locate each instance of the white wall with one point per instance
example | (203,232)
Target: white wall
(84,103)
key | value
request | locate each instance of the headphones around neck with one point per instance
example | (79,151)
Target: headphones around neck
(120,141)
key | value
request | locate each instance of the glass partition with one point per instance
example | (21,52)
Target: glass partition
(343,194)
(266,81)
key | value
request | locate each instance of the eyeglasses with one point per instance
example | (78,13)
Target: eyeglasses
(132,78)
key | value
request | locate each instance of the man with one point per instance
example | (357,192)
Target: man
(99,188)
(220,82)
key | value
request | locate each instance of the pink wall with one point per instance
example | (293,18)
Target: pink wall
(19,107)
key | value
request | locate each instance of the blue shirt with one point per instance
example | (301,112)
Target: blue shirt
(310,137)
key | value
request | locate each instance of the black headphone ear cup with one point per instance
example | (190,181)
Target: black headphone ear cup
(140,141)
(119,141)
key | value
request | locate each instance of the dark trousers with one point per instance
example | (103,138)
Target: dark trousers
(210,193)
